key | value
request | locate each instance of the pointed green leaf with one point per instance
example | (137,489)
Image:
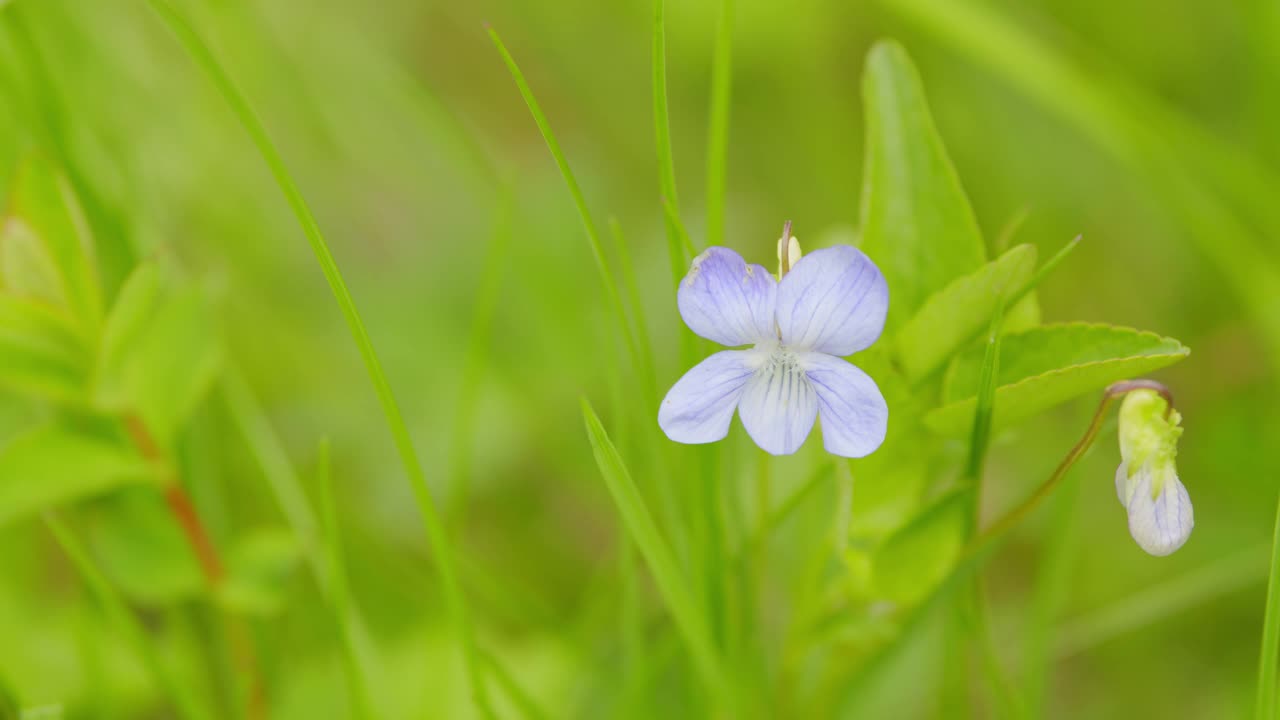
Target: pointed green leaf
(916,221)
(126,326)
(54,465)
(159,352)
(44,210)
(1044,366)
(955,315)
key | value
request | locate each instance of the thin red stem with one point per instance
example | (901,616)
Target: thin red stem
(188,518)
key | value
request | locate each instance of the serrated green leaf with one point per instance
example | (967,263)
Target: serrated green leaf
(141,547)
(1044,366)
(260,570)
(55,465)
(912,561)
(916,221)
(45,220)
(955,315)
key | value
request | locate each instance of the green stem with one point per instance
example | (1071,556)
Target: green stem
(987,538)
(438,537)
(1266,707)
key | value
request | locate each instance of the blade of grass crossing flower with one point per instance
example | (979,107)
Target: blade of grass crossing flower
(718,123)
(662,564)
(357,675)
(476,362)
(1270,658)
(126,624)
(438,537)
(612,296)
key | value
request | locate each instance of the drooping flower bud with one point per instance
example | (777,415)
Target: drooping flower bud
(1160,513)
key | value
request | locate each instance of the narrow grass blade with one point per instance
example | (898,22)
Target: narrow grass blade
(718,123)
(340,601)
(980,437)
(682,237)
(612,296)
(438,537)
(126,624)
(662,138)
(248,417)
(644,345)
(477,361)
(979,442)
(1268,662)
(662,564)
(1161,601)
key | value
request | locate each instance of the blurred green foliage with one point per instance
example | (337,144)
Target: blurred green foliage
(151,272)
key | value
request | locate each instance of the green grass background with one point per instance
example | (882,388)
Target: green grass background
(438,198)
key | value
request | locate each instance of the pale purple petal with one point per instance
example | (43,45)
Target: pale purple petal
(699,407)
(778,406)
(855,416)
(726,300)
(833,301)
(1160,525)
